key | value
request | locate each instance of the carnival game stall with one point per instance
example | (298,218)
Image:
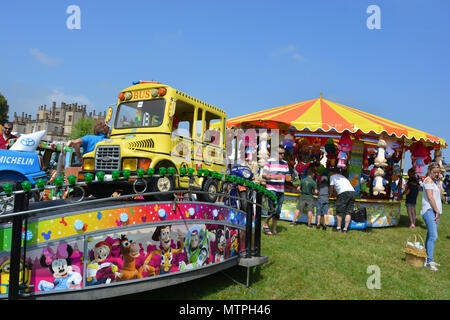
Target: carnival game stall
(323,134)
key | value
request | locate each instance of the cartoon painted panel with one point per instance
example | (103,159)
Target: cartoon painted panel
(379,214)
(155,251)
(24,276)
(78,224)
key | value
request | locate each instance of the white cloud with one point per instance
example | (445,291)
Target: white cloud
(44,58)
(289,51)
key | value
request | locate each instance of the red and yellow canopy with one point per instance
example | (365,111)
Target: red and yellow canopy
(320,115)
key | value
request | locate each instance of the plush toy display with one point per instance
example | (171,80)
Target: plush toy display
(288,143)
(316,153)
(330,148)
(438,159)
(379,182)
(380,160)
(420,156)
(303,152)
(394,185)
(263,152)
(344,147)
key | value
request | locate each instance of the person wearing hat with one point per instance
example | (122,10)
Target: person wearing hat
(322,201)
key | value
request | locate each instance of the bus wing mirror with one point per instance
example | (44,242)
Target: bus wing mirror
(108,115)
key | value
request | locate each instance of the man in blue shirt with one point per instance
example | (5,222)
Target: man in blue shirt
(88,142)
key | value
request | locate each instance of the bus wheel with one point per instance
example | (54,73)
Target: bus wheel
(163,184)
(211,187)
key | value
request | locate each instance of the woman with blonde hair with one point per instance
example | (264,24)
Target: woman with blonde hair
(431,210)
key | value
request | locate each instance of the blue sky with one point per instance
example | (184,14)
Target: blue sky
(242,56)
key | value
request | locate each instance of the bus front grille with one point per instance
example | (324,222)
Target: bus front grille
(107,158)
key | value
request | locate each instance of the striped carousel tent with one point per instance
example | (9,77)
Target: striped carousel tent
(324,116)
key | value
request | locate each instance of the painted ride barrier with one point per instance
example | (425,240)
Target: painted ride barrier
(115,246)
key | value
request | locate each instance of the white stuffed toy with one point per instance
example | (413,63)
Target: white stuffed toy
(379,182)
(28,142)
(438,159)
(380,160)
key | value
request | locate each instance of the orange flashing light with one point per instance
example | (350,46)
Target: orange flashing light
(144,163)
(121,96)
(162,91)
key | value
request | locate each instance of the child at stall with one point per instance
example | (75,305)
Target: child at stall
(411,192)
(322,202)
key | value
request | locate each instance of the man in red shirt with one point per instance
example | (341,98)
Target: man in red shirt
(6,135)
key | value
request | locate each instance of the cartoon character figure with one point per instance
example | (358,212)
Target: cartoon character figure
(330,148)
(288,143)
(99,271)
(24,275)
(344,147)
(234,247)
(379,182)
(301,147)
(420,156)
(197,248)
(438,159)
(316,153)
(166,252)
(61,270)
(130,251)
(380,160)
(263,153)
(221,243)
(394,185)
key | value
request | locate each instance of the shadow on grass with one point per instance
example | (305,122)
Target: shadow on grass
(203,287)
(404,221)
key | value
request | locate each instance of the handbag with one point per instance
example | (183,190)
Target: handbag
(359,215)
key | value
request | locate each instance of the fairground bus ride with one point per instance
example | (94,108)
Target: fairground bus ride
(87,248)
(157,126)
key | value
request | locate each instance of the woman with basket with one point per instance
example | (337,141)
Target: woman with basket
(431,210)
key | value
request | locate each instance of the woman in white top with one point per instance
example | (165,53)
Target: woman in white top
(431,210)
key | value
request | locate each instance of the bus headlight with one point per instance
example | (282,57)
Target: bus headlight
(130,164)
(88,164)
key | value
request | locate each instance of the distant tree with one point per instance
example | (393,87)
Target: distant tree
(4,109)
(82,127)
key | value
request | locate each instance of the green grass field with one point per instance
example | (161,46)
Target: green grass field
(315,264)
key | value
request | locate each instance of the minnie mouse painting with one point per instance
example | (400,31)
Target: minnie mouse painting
(60,267)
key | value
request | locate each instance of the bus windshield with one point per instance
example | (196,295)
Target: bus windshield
(140,114)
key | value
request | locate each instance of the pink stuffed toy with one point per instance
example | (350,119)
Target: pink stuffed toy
(420,156)
(344,147)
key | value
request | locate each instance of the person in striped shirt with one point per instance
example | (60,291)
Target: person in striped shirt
(275,172)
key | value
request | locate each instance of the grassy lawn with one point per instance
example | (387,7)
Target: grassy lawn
(315,264)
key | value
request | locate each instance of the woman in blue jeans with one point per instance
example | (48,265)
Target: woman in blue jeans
(431,210)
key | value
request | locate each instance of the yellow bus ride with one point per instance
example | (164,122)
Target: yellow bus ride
(157,126)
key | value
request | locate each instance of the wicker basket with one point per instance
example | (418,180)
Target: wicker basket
(413,255)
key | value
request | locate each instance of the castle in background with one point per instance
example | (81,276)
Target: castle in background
(56,121)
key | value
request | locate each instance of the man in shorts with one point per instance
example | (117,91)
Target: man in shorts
(345,199)
(308,188)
